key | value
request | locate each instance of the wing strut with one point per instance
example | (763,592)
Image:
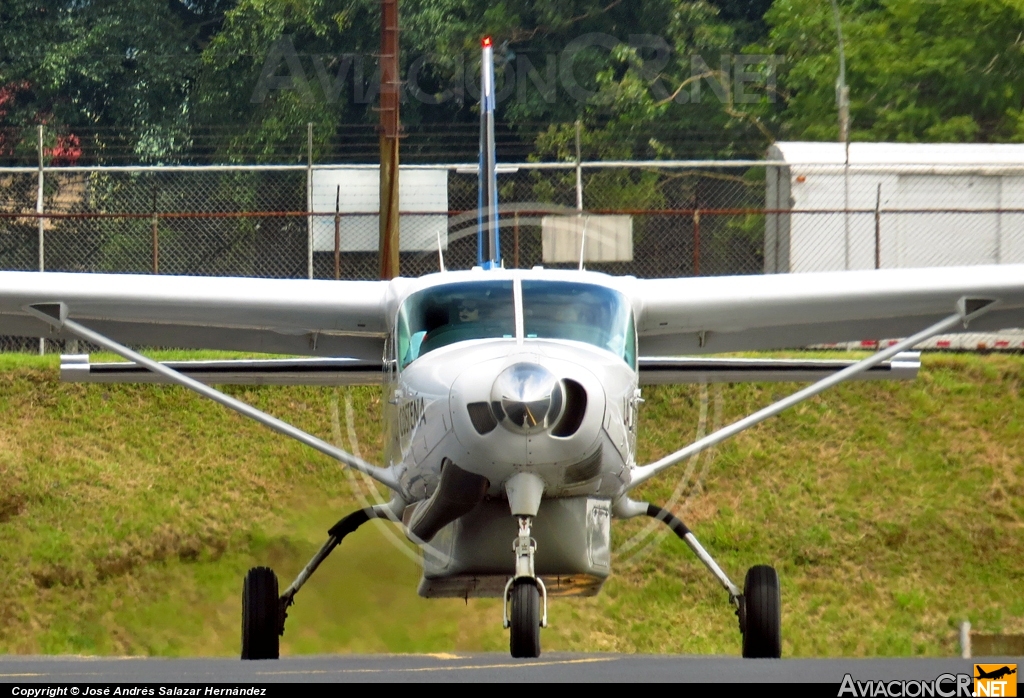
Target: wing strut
(337,533)
(55,314)
(967,310)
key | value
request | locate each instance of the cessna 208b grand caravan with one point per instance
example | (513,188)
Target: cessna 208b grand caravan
(511,395)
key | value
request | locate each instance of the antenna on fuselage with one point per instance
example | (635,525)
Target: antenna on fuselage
(488,237)
(440,253)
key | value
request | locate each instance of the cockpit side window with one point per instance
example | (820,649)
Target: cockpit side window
(442,315)
(583,312)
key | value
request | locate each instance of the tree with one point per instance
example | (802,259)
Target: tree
(918,70)
(116,72)
(614,64)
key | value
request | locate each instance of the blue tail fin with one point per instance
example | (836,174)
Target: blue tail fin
(488,235)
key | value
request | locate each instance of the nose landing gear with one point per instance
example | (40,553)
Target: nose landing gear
(525,592)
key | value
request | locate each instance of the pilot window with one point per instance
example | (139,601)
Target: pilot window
(442,315)
(583,312)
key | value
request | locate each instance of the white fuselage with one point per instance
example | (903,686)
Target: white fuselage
(430,421)
(584,442)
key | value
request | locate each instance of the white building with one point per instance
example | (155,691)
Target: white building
(893,205)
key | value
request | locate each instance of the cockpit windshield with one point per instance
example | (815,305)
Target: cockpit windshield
(583,312)
(442,315)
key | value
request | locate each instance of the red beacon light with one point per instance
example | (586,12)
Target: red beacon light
(486,42)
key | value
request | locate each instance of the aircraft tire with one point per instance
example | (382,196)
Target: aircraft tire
(260,615)
(524,640)
(763,601)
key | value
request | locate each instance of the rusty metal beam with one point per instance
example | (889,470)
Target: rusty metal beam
(390,127)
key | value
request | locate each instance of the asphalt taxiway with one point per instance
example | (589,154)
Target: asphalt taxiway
(475,667)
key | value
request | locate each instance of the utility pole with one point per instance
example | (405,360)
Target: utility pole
(309,199)
(842,90)
(40,205)
(390,93)
(843,105)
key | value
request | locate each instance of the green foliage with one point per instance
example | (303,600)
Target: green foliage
(160,71)
(147,76)
(128,64)
(235,59)
(639,110)
(918,70)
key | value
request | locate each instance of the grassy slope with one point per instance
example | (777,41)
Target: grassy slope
(892,511)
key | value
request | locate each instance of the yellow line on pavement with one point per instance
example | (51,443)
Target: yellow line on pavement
(11,676)
(463,667)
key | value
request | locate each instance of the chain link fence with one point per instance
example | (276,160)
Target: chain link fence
(253,221)
(648,219)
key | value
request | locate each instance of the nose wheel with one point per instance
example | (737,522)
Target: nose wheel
(524,623)
(526,598)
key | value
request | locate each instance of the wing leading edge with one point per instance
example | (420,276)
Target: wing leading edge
(710,315)
(280,316)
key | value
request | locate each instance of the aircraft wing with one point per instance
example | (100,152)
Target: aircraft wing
(708,315)
(279,316)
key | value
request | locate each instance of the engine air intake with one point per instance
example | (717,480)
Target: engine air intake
(482,417)
(575,409)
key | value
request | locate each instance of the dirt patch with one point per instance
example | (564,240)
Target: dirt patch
(57,575)
(115,566)
(162,546)
(10,506)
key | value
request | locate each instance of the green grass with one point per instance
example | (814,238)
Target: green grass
(128,515)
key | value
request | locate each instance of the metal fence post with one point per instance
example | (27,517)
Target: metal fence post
(878,227)
(515,241)
(337,235)
(999,221)
(579,171)
(579,196)
(156,236)
(309,198)
(846,209)
(696,240)
(42,234)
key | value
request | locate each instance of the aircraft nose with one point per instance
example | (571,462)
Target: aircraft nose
(527,398)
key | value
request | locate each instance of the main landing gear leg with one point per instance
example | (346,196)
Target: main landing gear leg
(758,606)
(264,612)
(525,592)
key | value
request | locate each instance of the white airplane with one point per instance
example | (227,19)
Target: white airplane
(512,395)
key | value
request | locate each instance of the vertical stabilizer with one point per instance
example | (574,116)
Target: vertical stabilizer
(488,238)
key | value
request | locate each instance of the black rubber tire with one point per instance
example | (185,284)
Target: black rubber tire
(524,640)
(261,624)
(763,601)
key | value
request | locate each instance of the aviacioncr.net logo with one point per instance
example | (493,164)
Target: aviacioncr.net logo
(995,680)
(944,686)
